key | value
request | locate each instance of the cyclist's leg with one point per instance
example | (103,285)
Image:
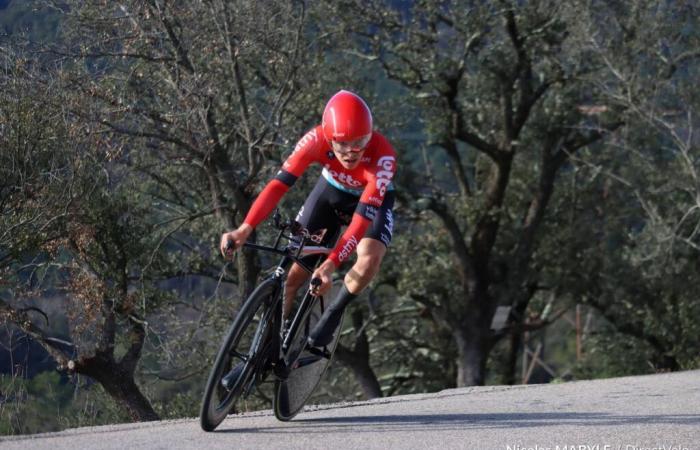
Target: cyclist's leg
(316,214)
(372,248)
(370,253)
(295,279)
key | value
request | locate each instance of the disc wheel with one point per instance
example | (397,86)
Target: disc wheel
(293,391)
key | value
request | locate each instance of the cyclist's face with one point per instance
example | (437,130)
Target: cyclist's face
(350,152)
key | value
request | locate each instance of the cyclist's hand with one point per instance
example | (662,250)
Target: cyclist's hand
(324,272)
(234,240)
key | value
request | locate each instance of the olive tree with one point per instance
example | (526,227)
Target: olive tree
(644,182)
(75,237)
(503,90)
(199,93)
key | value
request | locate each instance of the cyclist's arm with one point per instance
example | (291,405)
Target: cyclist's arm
(349,240)
(361,220)
(265,203)
(304,154)
(343,249)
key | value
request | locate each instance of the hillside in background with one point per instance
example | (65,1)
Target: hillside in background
(38,24)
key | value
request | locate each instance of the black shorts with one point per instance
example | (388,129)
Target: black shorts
(327,207)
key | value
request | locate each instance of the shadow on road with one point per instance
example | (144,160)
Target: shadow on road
(447,422)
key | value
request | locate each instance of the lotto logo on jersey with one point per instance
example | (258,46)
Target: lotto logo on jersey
(343,177)
(384,176)
(387,162)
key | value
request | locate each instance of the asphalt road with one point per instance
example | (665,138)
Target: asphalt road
(659,412)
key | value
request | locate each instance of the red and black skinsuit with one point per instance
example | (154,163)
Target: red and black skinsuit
(364,193)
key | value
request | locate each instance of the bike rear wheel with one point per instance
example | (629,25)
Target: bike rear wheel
(247,342)
(293,391)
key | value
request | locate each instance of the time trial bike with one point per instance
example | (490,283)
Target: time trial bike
(260,343)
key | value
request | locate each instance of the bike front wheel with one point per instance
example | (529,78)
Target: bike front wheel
(245,347)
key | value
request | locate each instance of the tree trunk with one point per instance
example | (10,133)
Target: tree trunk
(363,372)
(120,385)
(128,395)
(474,337)
(472,351)
(357,359)
(248,271)
(509,371)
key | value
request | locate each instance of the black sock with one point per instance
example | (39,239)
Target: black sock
(322,334)
(343,298)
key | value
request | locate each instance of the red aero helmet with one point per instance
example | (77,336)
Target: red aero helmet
(346,118)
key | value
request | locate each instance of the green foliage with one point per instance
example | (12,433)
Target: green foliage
(611,354)
(49,403)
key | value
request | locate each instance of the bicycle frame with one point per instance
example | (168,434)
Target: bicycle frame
(293,253)
(288,257)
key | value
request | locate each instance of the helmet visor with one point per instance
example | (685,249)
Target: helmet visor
(354,146)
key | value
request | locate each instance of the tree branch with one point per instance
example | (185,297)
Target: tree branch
(460,246)
(55,347)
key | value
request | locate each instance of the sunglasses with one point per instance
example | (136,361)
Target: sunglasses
(356,146)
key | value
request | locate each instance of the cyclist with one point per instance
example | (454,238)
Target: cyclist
(355,189)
